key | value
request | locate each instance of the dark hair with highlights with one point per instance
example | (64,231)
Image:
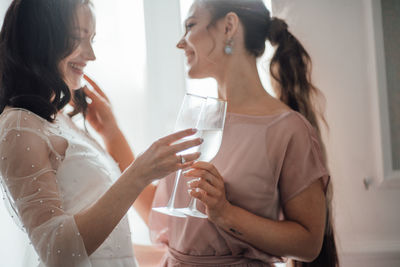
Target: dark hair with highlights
(291,68)
(36,35)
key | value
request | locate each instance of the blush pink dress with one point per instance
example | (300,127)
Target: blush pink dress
(265,161)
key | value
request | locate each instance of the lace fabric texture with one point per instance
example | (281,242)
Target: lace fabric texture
(49,172)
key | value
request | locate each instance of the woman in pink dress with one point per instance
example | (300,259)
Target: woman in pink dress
(265,193)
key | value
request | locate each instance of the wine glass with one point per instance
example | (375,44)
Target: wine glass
(188,117)
(210,127)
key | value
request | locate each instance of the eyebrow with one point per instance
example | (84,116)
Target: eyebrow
(84,30)
(81,29)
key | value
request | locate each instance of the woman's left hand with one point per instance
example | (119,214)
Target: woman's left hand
(99,113)
(209,188)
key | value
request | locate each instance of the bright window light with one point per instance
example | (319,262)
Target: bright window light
(120,71)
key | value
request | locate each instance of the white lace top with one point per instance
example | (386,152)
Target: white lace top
(49,172)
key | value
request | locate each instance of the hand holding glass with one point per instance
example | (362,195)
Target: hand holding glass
(188,117)
(210,128)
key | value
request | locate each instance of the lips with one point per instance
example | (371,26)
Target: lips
(189,55)
(78,68)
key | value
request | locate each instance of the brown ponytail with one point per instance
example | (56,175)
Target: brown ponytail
(290,68)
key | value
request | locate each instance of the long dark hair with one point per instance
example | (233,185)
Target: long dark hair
(36,35)
(291,68)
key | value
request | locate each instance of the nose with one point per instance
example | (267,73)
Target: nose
(89,53)
(181,44)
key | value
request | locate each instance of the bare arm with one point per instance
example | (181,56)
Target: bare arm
(119,149)
(97,222)
(299,236)
(101,117)
(144,201)
(117,146)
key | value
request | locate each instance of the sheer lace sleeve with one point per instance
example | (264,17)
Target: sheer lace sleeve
(30,184)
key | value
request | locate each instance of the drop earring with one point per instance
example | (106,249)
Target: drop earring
(229,47)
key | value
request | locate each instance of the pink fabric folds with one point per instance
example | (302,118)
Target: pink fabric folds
(265,162)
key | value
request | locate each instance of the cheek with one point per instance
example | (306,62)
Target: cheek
(201,42)
(75,54)
(62,66)
(71,79)
(207,47)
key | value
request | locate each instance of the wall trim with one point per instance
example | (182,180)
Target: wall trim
(372,247)
(371,254)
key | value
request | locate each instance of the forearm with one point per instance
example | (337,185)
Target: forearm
(144,202)
(118,147)
(280,238)
(98,221)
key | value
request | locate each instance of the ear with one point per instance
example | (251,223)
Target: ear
(231,25)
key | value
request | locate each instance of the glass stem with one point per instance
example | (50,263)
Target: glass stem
(171,202)
(193,204)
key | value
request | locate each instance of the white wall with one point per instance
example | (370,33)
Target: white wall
(338,35)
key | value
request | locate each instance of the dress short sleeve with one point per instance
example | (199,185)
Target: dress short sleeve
(30,184)
(303,162)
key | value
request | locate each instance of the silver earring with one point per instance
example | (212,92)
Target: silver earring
(229,47)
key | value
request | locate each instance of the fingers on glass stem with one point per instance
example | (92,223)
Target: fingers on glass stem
(197,193)
(188,159)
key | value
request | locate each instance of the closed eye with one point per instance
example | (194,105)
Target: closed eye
(189,26)
(77,39)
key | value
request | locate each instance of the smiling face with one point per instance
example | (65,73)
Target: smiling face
(72,67)
(203,43)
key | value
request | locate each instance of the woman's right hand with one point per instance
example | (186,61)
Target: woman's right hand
(156,162)
(161,158)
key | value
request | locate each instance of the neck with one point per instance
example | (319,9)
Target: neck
(239,83)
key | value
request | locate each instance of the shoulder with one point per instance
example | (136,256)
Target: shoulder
(24,143)
(21,128)
(20,119)
(293,127)
(293,122)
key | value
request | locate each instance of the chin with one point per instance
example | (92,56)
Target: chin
(195,74)
(73,86)
(72,89)
(77,87)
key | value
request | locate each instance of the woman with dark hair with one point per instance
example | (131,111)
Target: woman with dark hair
(63,188)
(265,193)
